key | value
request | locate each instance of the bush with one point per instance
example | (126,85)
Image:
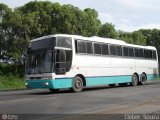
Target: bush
(16,70)
(11,82)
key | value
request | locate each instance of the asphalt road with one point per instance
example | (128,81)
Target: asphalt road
(103,100)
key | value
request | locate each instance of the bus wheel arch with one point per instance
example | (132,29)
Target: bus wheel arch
(143,78)
(135,79)
(78,83)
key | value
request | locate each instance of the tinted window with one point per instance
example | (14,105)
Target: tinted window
(42,44)
(147,54)
(136,52)
(125,51)
(81,47)
(112,49)
(89,47)
(104,49)
(97,48)
(131,52)
(64,42)
(154,55)
(151,54)
(141,53)
(119,50)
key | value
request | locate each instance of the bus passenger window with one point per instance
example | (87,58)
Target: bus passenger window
(112,49)
(105,49)
(97,48)
(89,47)
(131,52)
(119,50)
(81,47)
(136,52)
(141,53)
(154,55)
(125,51)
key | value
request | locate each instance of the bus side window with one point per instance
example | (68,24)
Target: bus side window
(125,51)
(81,47)
(112,49)
(136,52)
(154,55)
(105,49)
(119,50)
(131,52)
(150,53)
(97,48)
(89,47)
(141,53)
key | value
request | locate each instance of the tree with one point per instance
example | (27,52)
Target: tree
(126,36)
(5,13)
(138,38)
(108,30)
(90,22)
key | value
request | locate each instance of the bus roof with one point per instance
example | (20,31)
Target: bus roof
(96,39)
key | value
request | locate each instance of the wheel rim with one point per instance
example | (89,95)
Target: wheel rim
(134,80)
(78,85)
(143,79)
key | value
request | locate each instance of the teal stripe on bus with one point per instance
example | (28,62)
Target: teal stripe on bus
(90,81)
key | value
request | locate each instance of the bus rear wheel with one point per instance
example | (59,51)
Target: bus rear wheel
(77,84)
(134,80)
(143,79)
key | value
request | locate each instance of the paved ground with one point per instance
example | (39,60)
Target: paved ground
(104,100)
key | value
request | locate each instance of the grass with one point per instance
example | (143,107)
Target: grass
(9,82)
(158,78)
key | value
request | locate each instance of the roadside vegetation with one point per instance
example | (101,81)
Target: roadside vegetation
(11,77)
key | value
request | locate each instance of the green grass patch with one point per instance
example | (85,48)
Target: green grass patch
(158,78)
(8,82)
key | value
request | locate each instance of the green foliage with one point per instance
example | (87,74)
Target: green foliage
(138,38)
(108,30)
(15,70)
(11,82)
(126,36)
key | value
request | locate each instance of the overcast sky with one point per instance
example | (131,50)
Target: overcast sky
(127,15)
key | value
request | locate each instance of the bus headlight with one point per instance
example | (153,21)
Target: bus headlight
(46,83)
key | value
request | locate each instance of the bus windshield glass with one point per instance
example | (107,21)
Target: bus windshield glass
(39,62)
(40,56)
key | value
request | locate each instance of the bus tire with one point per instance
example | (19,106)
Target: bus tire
(77,85)
(53,90)
(143,79)
(134,80)
(112,85)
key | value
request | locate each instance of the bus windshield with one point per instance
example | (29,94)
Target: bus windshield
(39,62)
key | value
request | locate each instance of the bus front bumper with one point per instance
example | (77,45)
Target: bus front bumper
(50,84)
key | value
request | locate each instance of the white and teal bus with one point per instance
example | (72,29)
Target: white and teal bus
(71,61)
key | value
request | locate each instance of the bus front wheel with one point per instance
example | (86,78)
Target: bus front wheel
(77,84)
(134,80)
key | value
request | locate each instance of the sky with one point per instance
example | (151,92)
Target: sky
(126,15)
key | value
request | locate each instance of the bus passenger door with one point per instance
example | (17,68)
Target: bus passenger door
(60,62)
